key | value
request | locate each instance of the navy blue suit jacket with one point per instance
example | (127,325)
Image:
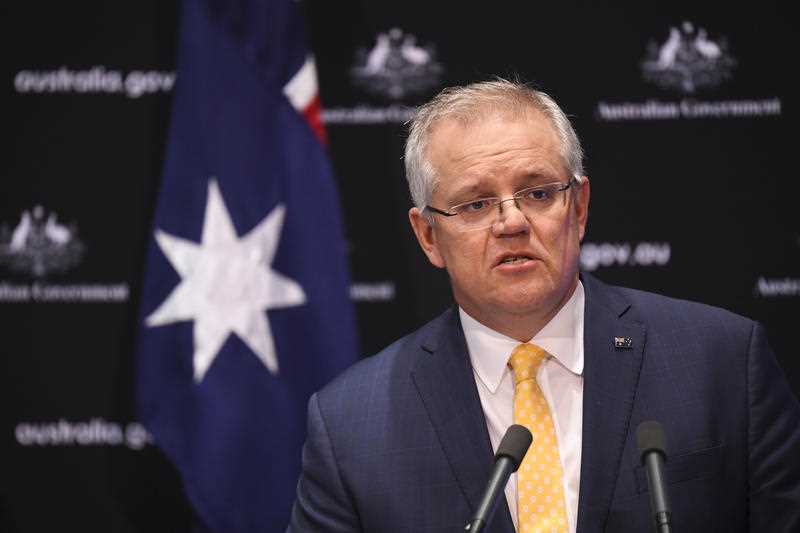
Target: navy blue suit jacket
(399,441)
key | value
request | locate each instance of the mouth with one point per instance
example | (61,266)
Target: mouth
(514,259)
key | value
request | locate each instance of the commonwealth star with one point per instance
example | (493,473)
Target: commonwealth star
(227,284)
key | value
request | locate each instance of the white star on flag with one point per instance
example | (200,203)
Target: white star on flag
(227,284)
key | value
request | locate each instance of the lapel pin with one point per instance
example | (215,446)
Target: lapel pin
(623,342)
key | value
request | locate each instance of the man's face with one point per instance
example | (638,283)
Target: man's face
(496,157)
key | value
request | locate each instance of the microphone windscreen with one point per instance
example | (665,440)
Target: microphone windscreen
(650,437)
(514,445)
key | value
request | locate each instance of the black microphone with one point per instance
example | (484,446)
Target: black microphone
(652,447)
(509,456)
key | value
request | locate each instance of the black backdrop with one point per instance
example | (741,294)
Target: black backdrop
(685,113)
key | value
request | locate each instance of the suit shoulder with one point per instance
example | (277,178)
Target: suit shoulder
(656,309)
(396,359)
(652,308)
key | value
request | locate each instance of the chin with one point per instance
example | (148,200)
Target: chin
(541,295)
(523,303)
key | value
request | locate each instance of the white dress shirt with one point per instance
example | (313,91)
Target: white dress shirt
(561,381)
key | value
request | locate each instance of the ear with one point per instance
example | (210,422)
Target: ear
(426,236)
(582,205)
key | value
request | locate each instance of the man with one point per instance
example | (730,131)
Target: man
(404,440)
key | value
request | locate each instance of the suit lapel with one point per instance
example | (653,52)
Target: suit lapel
(445,382)
(611,376)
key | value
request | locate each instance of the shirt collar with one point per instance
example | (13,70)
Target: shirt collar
(562,337)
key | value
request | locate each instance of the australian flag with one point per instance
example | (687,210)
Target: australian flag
(245,309)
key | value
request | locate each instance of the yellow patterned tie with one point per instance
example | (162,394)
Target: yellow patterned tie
(540,487)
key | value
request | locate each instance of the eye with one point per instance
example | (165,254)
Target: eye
(537,194)
(474,206)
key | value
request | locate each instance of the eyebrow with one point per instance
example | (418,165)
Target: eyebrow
(473,190)
(468,192)
(536,178)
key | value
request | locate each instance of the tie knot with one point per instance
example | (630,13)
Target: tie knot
(525,360)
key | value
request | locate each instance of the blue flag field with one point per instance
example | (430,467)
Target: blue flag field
(245,309)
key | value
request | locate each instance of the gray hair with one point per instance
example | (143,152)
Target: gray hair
(468,103)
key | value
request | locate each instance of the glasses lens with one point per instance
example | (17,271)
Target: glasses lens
(533,201)
(539,199)
(478,212)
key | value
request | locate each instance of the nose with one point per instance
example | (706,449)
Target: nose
(511,220)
